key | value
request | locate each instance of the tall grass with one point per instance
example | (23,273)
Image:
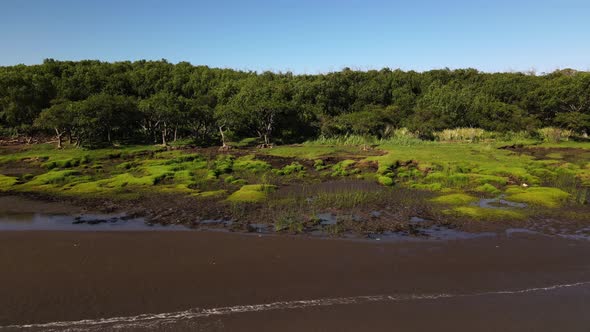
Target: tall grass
(554,135)
(461,134)
(402,136)
(351,140)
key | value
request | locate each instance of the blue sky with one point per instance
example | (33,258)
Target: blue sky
(303,36)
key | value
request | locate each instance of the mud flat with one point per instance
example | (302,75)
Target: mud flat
(225,282)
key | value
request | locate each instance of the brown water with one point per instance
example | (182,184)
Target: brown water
(206,281)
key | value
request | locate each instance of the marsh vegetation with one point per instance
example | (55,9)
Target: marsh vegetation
(328,186)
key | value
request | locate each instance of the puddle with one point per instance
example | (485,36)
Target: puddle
(418,220)
(375,214)
(512,231)
(580,234)
(86,222)
(436,232)
(259,228)
(327,219)
(498,203)
(216,222)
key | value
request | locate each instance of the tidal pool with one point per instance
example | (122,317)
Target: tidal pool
(85,222)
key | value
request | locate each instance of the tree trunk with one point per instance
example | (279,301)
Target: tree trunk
(164,132)
(175,131)
(223,145)
(58,135)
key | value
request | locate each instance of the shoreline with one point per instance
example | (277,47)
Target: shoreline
(422,230)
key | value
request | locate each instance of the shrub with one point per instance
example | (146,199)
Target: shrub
(554,135)
(251,193)
(385,180)
(344,168)
(460,134)
(292,168)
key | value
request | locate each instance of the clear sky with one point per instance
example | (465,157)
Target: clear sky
(303,36)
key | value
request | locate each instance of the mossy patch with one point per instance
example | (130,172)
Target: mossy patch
(488,188)
(211,194)
(488,179)
(293,168)
(430,186)
(344,168)
(54,177)
(385,180)
(319,165)
(542,196)
(455,199)
(6,182)
(251,193)
(480,213)
(249,163)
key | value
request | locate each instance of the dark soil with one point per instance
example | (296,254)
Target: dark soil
(65,276)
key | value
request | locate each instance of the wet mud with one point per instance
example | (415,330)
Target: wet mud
(221,281)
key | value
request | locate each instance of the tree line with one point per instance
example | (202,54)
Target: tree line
(95,103)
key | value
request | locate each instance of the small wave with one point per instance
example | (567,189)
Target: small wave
(162,319)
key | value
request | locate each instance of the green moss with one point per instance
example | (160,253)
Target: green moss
(435,177)
(518,173)
(248,163)
(211,194)
(488,179)
(385,180)
(430,186)
(54,177)
(224,164)
(127,165)
(293,168)
(126,179)
(488,188)
(455,199)
(235,181)
(251,193)
(480,213)
(184,177)
(88,188)
(319,165)
(542,173)
(183,158)
(405,175)
(344,168)
(448,179)
(542,196)
(47,153)
(6,182)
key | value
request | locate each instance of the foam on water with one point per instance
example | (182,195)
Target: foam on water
(163,319)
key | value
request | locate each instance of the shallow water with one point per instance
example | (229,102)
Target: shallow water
(499,203)
(435,232)
(85,222)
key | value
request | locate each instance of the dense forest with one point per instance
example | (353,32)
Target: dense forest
(97,103)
